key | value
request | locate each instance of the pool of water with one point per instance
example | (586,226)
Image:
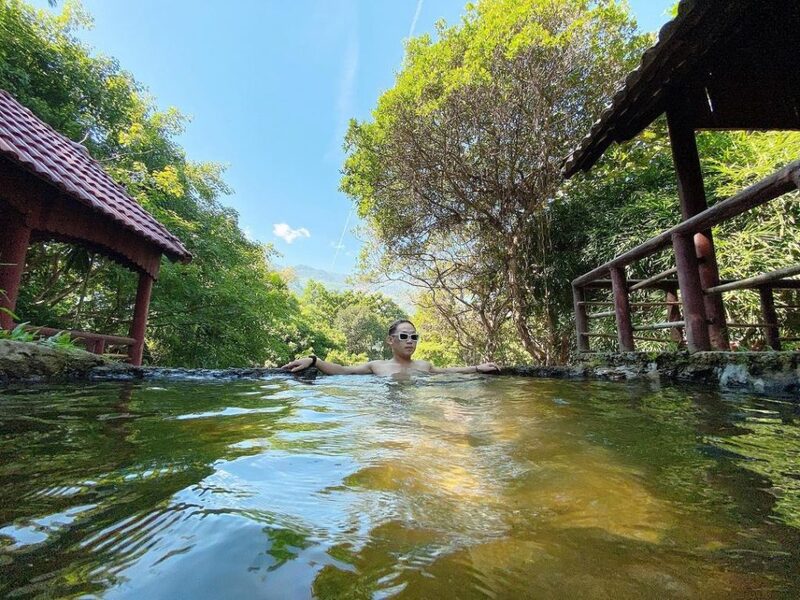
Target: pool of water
(361,487)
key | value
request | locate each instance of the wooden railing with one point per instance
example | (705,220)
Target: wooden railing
(97,343)
(691,302)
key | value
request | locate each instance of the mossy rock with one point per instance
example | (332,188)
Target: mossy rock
(30,361)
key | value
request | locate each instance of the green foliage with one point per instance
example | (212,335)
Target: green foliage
(353,324)
(228,307)
(62,340)
(20,333)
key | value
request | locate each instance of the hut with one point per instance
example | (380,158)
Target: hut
(51,189)
(719,65)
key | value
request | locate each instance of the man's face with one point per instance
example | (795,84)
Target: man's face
(403,347)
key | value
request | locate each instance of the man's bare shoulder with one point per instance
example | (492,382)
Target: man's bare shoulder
(423,365)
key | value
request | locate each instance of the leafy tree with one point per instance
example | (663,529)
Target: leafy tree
(461,159)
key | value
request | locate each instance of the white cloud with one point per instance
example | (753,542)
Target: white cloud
(286,233)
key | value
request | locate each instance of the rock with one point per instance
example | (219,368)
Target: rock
(28,361)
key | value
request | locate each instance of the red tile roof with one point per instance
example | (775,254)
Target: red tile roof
(40,149)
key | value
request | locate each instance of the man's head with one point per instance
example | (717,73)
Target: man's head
(402,338)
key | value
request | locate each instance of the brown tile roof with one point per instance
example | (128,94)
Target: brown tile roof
(681,45)
(40,149)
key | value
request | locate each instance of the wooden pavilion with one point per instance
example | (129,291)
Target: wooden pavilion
(51,189)
(719,65)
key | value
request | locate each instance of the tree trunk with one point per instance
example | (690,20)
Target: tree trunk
(519,304)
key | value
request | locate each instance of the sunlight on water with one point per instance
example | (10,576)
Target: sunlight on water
(363,487)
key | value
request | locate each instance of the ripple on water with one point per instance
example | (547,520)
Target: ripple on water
(367,487)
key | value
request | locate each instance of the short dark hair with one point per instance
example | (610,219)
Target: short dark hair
(393,327)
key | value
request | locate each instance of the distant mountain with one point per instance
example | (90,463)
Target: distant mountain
(400,292)
(302,274)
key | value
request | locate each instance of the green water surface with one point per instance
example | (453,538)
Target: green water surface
(362,487)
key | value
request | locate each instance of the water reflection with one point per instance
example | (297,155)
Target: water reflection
(369,487)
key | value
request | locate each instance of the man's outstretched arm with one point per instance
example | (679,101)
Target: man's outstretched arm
(329,368)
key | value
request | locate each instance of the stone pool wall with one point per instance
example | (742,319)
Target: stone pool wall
(772,373)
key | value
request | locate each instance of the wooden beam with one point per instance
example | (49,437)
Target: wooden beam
(139,324)
(709,276)
(674,314)
(771,333)
(694,310)
(647,282)
(666,284)
(622,309)
(759,193)
(638,305)
(692,196)
(113,340)
(757,281)
(581,322)
(14,239)
(781,284)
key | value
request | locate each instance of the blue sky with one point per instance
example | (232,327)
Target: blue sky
(269,86)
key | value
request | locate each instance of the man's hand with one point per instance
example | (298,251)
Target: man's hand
(487,368)
(301,364)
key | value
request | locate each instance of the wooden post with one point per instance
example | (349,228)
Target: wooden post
(694,309)
(139,324)
(622,309)
(14,240)
(693,201)
(770,318)
(674,314)
(581,322)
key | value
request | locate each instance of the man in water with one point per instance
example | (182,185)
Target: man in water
(402,339)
